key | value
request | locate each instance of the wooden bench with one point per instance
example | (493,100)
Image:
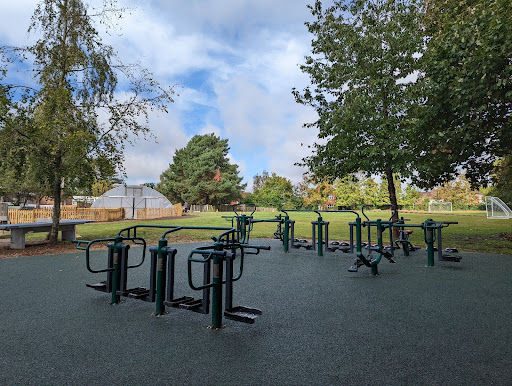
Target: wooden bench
(18,231)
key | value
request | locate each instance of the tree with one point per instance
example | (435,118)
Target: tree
(202,174)
(371,191)
(466,90)
(320,195)
(276,192)
(77,77)
(259,181)
(348,192)
(458,192)
(502,180)
(362,55)
(409,196)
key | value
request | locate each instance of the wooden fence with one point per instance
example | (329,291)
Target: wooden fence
(18,216)
(150,213)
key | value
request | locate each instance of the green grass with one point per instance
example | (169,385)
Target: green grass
(474,233)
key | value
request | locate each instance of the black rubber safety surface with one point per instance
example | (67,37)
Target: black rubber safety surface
(321,325)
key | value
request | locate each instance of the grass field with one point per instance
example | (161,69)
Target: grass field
(474,233)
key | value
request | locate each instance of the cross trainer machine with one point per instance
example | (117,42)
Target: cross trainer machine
(162,274)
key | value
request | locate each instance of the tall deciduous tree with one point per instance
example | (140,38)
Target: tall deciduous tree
(202,174)
(77,77)
(276,192)
(363,54)
(466,85)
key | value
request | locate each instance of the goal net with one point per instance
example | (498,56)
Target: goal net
(440,206)
(496,208)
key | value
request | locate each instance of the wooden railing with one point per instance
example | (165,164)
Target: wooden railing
(150,213)
(17,216)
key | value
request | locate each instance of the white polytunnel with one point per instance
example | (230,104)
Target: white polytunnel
(132,197)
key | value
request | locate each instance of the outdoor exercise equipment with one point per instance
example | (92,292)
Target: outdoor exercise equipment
(369,224)
(245,224)
(320,233)
(432,231)
(117,268)
(162,272)
(368,261)
(403,238)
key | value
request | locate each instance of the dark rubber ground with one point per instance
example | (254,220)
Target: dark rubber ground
(412,325)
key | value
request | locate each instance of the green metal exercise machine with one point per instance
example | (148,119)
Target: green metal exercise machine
(161,290)
(368,261)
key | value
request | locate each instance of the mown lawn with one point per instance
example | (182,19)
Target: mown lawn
(474,233)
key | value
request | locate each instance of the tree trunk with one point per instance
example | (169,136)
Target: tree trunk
(54,232)
(392,198)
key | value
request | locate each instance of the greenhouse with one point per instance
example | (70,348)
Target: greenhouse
(131,198)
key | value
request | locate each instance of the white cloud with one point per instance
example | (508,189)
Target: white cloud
(146,160)
(234,62)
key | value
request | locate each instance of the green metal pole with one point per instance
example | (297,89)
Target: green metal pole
(375,263)
(243,227)
(429,240)
(320,237)
(160,277)
(358,237)
(116,274)
(217,292)
(286,235)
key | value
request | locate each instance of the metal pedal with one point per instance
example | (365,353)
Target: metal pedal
(135,293)
(242,314)
(192,305)
(98,286)
(176,302)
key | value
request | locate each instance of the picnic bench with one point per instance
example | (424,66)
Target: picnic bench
(18,231)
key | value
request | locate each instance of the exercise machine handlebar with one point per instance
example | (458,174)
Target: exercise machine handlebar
(116,240)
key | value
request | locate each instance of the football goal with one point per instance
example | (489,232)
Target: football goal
(440,206)
(496,208)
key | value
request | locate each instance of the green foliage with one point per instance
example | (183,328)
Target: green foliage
(502,180)
(259,181)
(361,54)
(466,88)
(58,123)
(201,173)
(276,192)
(409,197)
(458,192)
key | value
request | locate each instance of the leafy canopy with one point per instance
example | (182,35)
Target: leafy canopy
(276,192)
(362,55)
(73,125)
(466,87)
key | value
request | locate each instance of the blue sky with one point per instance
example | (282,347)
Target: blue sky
(234,63)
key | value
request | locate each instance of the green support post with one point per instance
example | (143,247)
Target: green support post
(116,273)
(358,237)
(286,235)
(374,263)
(319,242)
(243,228)
(160,277)
(429,240)
(218,268)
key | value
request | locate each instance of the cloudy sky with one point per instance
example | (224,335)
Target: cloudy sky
(234,63)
